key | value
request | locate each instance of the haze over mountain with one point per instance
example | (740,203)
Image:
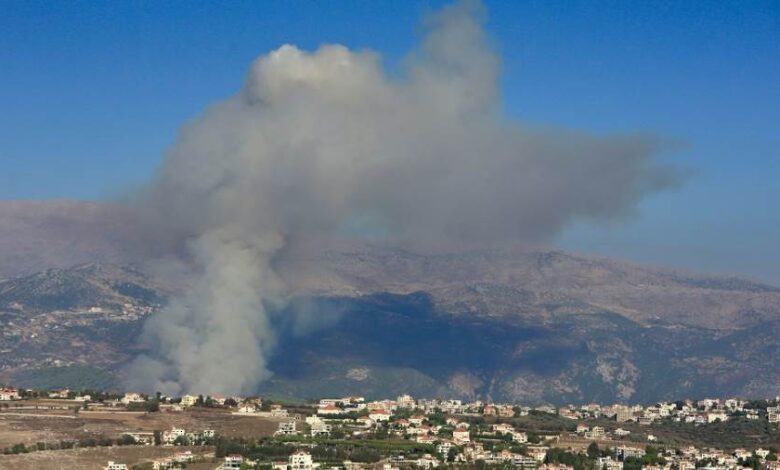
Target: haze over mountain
(511,324)
(38,235)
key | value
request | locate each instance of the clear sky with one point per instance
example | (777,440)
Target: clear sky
(93,92)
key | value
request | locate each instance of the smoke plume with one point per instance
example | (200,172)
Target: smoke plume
(326,141)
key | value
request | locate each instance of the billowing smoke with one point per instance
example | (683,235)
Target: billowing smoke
(323,142)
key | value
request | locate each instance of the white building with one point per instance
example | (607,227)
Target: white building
(773,414)
(189,400)
(379,415)
(538,453)
(278,412)
(620,432)
(286,428)
(247,408)
(608,464)
(624,452)
(444,448)
(717,416)
(417,419)
(115,466)
(170,436)
(64,393)
(461,436)
(330,410)
(232,462)
(623,413)
(520,437)
(218,399)
(427,461)
(405,401)
(318,426)
(8,394)
(132,397)
(301,461)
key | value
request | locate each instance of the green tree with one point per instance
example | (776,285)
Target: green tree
(125,440)
(19,449)
(451,454)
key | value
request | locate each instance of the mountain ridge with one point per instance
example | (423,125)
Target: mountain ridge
(514,324)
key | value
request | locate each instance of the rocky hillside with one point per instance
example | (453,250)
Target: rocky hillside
(85,315)
(535,284)
(89,286)
(442,328)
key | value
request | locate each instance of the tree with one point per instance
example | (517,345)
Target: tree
(593,451)
(87,442)
(125,440)
(19,449)
(142,466)
(157,438)
(651,451)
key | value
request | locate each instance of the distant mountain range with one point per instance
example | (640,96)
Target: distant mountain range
(515,325)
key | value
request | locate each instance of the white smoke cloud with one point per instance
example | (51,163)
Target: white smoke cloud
(314,142)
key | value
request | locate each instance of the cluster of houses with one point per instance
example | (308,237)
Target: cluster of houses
(178,460)
(692,458)
(457,445)
(172,437)
(688,458)
(178,436)
(446,426)
(687,411)
(699,412)
(460,445)
(299,460)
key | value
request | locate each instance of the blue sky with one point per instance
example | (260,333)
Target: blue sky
(93,92)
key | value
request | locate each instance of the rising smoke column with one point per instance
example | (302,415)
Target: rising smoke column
(316,141)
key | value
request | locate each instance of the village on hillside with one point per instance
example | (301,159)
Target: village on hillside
(354,433)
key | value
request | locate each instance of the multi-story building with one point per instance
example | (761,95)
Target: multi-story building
(232,462)
(301,461)
(189,400)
